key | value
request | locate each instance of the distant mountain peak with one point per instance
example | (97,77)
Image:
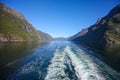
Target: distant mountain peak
(60,38)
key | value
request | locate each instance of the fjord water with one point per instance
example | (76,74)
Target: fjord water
(52,60)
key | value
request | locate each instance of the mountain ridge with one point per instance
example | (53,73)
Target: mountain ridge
(15,27)
(101,31)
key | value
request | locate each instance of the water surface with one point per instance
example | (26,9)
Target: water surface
(55,60)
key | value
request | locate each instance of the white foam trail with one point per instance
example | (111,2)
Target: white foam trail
(85,69)
(56,70)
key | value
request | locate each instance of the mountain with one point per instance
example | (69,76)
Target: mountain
(14,27)
(104,35)
(60,39)
(79,34)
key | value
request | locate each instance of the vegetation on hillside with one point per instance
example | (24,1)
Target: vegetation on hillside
(14,27)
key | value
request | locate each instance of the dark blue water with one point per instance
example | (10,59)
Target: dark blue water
(59,60)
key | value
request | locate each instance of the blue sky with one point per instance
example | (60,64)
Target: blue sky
(62,18)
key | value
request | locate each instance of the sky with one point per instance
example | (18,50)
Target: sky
(62,18)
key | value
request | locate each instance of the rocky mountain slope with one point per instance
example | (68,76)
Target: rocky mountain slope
(79,34)
(104,35)
(14,27)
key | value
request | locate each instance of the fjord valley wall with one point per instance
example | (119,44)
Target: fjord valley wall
(104,35)
(14,27)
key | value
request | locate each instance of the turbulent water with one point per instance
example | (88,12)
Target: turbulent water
(62,61)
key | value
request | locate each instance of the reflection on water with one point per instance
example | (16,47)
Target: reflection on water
(113,53)
(11,54)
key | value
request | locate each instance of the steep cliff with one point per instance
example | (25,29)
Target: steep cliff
(14,27)
(104,33)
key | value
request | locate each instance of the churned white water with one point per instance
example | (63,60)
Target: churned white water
(85,67)
(56,70)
